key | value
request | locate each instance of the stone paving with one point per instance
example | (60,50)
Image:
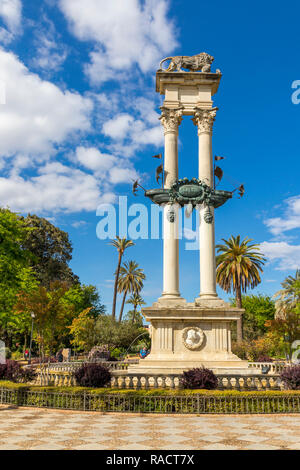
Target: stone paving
(43,429)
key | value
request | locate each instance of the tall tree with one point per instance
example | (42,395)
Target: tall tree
(130,280)
(121,244)
(258,309)
(114,334)
(52,314)
(137,301)
(84,297)
(239,264)
(82,330)
(52,251)
(15,271)
(289,296)
(286,329)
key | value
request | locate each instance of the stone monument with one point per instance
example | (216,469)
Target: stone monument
(187,335)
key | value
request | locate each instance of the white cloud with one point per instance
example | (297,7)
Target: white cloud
(107,168)
(285,255)
(145,108)
(130,134)
(98,69)
(37,115)
(11,12)
(55,189)
(79,223)
(50,51)
(125,33)
(123,175)
(118,127)
(290,219)
(94,160)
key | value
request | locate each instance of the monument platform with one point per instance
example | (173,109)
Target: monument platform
(190,335)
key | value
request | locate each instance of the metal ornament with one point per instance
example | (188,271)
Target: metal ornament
(185,192)
(208,217)
(171,216)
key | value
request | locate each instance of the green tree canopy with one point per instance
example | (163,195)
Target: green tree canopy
(84,297)
(258,310)
(52,251)
(15,271)
(52,314)
(114,334)
(288,298)
(130,280)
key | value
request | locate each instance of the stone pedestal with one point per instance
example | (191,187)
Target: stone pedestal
(185,337)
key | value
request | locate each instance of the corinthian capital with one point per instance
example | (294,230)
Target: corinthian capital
(204,119)
(170,119)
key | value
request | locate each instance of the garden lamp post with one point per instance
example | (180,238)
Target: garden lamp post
(32,317)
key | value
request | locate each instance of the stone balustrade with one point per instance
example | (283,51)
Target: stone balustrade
(56,379)
(275,367)
(225,382)
(71,366)
(141,381)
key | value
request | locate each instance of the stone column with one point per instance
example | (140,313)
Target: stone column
(170,119)
(204,119)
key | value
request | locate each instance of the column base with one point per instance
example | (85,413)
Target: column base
(210,300)
(171,300)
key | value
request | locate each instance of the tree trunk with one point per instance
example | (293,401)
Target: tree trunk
(239,332)
(134,314)
(122,306)
(113,313)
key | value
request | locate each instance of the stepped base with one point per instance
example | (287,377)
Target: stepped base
(233,367)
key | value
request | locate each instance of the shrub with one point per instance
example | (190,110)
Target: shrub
(241,349)
(92,375)
(199,378)
(264,358)
(7,353)
(291,377)
(253,350)
(13,371)
(116,354)
(16,355)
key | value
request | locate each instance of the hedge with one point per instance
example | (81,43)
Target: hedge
(150,401)
(145,392)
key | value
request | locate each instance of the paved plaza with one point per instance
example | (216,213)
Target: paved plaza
(39,429)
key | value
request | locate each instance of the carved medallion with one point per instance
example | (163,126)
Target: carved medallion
(192,337)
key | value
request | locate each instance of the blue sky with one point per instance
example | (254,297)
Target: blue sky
(81,119)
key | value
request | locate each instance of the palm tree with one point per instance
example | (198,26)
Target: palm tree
(131,280)
(288,297)
(137,301)
(238,265)
(121,244)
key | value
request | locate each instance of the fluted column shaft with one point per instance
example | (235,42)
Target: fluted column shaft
(170,119)
(204,119)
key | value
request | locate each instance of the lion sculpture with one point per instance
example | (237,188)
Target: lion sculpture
(199,62)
